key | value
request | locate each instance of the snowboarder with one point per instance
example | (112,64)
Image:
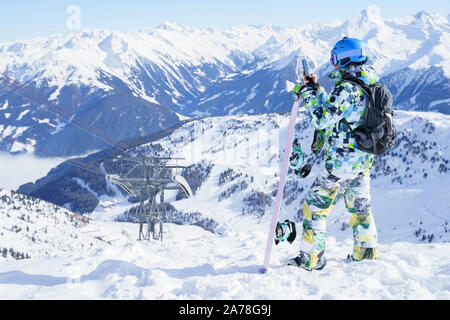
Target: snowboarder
(347,168)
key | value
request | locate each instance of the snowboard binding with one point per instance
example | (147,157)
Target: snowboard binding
(285,231)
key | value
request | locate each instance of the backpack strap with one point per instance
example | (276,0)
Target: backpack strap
(364,87)
(369,101)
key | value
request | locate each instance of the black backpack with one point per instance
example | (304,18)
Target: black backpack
(377,134)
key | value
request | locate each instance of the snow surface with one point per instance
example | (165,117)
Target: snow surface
(192,263)
(196,264)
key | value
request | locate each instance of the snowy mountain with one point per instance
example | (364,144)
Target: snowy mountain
(245,152)
(133,84)
(33,228)
(235,165)
(236,162)
(409,54)
(72,234)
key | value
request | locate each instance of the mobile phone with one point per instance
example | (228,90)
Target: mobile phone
(305,67)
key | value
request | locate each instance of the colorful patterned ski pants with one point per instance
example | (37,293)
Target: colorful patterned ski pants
(317,206)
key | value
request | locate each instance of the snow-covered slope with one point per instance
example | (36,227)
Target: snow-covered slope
(238,157)
(242,153)
(33,228)
(409,184)
(138,80)
(196,264)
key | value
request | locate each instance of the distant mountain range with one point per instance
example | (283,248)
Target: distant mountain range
(134,84)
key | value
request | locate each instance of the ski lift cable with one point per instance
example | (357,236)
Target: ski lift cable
(58,113)
(58,110)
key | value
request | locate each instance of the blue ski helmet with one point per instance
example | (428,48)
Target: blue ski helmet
(348,50)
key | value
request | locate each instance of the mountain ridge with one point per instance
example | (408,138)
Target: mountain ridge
(198,72)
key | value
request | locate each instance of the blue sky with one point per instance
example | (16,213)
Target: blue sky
(30,18)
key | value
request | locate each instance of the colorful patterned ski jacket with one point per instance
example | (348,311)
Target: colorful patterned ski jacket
(327,111)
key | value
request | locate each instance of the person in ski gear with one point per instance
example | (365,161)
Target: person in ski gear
(347,168)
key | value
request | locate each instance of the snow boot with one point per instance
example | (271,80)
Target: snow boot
(302,261)
(360,253)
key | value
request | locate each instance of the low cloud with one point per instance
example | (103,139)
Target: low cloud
(19,169)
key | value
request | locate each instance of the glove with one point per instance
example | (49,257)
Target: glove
(297,91)
(297,157)
(303,172)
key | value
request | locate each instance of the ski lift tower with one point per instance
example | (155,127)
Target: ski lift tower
(146,181)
